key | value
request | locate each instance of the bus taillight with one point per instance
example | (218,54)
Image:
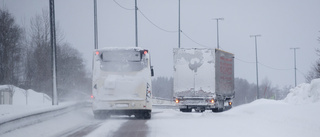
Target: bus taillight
(212,101)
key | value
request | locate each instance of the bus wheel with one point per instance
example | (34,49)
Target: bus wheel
(143,115)
(147,115)
(98,115)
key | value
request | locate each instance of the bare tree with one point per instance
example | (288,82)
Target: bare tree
(267,89)
(71,73)
(315,69)
(162,87)
(11,89)
(10,48)
(38,72)
(314,72)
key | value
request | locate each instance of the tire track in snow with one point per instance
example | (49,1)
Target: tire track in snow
(133,128)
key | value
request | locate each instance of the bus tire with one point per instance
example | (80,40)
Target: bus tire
(100,115)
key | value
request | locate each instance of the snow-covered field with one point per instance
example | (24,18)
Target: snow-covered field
(261,118)
(295,116)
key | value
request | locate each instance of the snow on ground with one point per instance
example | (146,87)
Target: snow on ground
(24,102)
(295,116)
(262,118)
(27,102)
(107,128)
(305,93)
(28,97)
(61,125)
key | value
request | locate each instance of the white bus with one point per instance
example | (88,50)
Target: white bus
(121,82)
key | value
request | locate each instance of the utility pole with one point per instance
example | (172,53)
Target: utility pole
(136,21)
(257,73)
(179,30)
(295,66)
(95,25)
(218,30)
(53,54)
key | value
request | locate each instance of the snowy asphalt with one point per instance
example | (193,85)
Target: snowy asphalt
(263,118)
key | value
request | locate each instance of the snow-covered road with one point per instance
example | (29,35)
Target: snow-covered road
(263,118)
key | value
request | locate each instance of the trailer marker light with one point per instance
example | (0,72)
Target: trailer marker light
(97,52)
(177,101)
(92,96)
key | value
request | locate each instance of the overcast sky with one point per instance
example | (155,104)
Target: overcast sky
(283,24)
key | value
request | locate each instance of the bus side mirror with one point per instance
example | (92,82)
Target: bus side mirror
(152,72)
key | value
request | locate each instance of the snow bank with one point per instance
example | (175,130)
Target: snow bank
(24,102)
(28,97)
(305,93)
(260,118)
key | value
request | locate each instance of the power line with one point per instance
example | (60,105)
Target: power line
(251,62)
(121,5)
(170,31)
(274,68)
(301,72)
(193,40)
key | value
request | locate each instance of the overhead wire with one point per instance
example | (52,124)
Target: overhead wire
(274,68)
(157,26)
(193,40)
(187,36)
(269,67)
(251,62)
(170,31)
(115,1)
(301,72)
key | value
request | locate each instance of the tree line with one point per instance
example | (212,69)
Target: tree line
(25,56)
(315,68)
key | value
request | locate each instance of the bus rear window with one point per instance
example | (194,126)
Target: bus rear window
(123,60)
(124,55)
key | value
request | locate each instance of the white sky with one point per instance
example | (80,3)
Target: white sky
(283,24)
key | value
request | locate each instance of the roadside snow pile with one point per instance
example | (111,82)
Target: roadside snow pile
(304,93)
(27,97)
